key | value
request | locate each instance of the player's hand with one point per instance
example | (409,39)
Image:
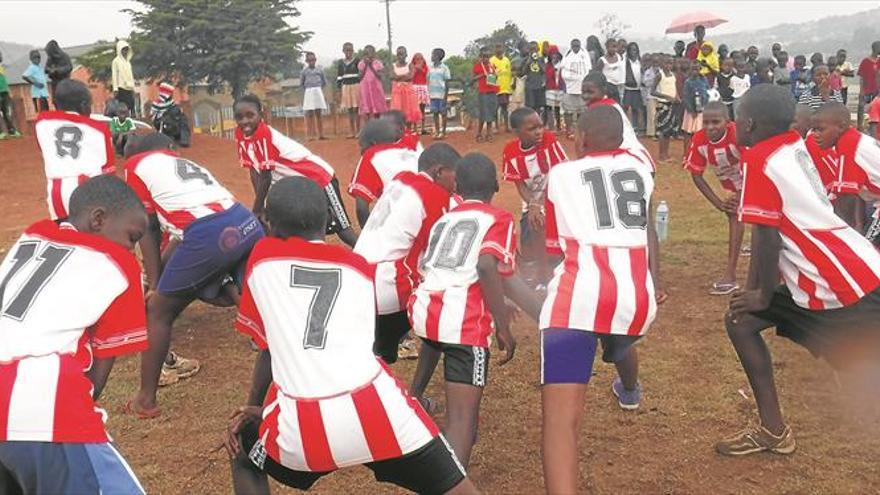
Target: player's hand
(747,301)
(730,205)
(506,343)
(660,296)
(535,217)
(242,417)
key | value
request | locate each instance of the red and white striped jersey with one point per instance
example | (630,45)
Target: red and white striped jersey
(332,404)
(597,218)
(448,304)
(824,263)
(65,296)
(396,235)
(268,149)
(630,139)
(723,156)
(412,141)
(378,166)
(826,163)
(531,166)
(178,190)
(859,164)
(74,148)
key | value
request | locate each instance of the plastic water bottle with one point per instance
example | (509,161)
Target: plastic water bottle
(662,221)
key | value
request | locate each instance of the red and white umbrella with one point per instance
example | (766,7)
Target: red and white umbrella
(687,22)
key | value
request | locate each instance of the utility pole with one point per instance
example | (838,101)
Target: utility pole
(389,65)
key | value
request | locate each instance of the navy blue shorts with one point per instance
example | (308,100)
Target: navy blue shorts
(438,105)
(567,354)
(80,468)
(212,248)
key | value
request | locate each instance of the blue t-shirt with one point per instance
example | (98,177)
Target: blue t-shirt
(37,74)
(437,77)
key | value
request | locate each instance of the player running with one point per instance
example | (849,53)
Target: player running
(327,402)
(715,146)
(468,269)
(74,147)
(396,235)
(270,155)
(829,301)
(383,156)
(603,287)
(216,235)
(71,301)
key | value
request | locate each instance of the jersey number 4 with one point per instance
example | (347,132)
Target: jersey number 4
(49,260)
(324,284)
(629,197)
(187,171)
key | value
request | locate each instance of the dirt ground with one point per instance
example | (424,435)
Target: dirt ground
(694,389)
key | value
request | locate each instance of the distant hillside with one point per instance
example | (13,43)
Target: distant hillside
(13,51)
(853,32)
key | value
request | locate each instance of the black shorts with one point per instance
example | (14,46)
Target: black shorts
(616,347)
(390,330)
(466,364)
(433,468)
(337,220)
(842,336)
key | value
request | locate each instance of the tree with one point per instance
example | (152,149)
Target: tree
(509,36)
(230,42)
(611,26)
(98,61)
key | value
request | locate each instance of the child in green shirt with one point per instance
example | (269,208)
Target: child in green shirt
(121,126)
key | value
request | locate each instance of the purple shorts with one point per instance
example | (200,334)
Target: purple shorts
(567,354)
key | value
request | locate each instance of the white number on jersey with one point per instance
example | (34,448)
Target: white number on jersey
(187,171)
(325,283)
(67,141)
(629,197)
(48,262)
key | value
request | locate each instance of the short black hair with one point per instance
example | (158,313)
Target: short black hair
(441,51)
(297,205)
(441,154)
(518,116)
(835,110)
(104,191)
(250,98)
(377,131)
(72,95)
(770,106)
(596,77)
(716,106)
(603,125)
(476,176)
(34,52)
(140,143)
(396,116)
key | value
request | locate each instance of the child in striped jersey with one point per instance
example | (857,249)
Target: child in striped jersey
(467,271)
(527,160)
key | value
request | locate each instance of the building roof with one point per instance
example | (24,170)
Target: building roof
(16,68)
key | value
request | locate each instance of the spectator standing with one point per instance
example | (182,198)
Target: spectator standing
(420,86)
(535,80)
(504,71)
(594,50)
(36,77)
(518,97)
(348,79)
(122,75)
(868,72)
(58,66)
(312,80)
(679,49)
(781,73)
(820,92)
(487,97)
(438,90)
(612,67)
(403,96)
(668,102)
(693,48)
(650,73)
(846,72)
(723,84)
(168,118)
(800,80)
(575,66)
(6,105)
(372,95)
(740,83)
(554,90)
(709,63)
(632,102)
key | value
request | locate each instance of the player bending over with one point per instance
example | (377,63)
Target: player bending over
(858,166)
(396,235)
(829,301)
(405,135)
(74,146)
(383,156)
(320,400)
(715,146)
(72,301)
(270,155)
(603,287)
(468,269)
(216,235)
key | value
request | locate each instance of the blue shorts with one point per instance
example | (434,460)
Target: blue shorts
(567,354)
(80,468)
(438,105)
(212,248)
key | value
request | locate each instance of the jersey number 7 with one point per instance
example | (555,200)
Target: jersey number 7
(325,286)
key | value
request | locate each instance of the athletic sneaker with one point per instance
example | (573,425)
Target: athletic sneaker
(3,135)
(408,348)
(723,288)
(181,366)
(757,439)
(626,399)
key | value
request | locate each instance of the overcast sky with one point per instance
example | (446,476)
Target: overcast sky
(419,24)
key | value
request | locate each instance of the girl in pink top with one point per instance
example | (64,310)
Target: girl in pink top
(372,102)
(403,96)
(420,84)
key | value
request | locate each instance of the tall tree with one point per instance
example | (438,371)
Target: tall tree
(229,42)
(611,26)
(508,35)
(98,61)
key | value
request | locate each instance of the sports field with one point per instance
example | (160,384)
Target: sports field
(694,389)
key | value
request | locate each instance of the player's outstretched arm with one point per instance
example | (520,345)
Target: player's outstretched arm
(707,192)
(493,294)
(261,379)
(150,250)
(763,272)
(260,180)
(517,291)
(98,375)
(362,210)
(654,259)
